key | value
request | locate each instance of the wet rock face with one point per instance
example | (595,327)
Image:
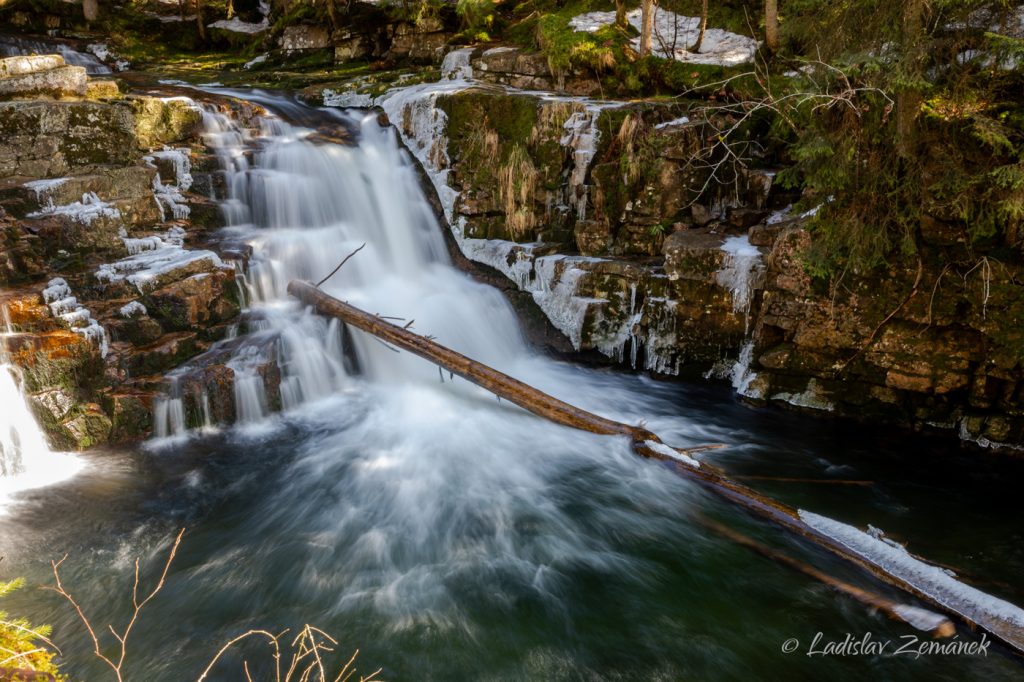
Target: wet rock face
(604,179)
(64,81)
(630,260)
(110,296)
(423,41)
(48,139)
(517,68)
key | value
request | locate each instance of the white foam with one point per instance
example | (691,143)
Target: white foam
(26,461)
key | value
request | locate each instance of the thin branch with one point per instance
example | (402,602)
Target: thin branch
(343,261)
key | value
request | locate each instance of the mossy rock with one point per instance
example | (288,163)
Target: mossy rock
(89,428)
(160,122)
(131,416)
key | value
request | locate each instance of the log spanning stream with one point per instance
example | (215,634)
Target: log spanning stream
(451,536)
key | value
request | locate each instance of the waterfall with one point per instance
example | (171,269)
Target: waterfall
(301,207)
(25,459)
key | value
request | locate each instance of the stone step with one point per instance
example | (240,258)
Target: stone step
(22,65)
(20,196)
(63,81)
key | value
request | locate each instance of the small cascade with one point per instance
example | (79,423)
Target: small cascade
(13,46)
(455,65)
(169,411)
(581,136)
(741,375)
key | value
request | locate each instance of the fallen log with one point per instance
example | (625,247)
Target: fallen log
(1008,629)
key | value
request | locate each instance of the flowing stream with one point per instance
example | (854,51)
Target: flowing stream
(450,536)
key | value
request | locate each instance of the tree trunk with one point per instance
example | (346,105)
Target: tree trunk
(332,15)
(620,13)
(703,27)
(908,99)
(91,9)
(771,25)
(646,26)
(645,444)
(200,26)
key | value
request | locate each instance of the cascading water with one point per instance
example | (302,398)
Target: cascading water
(302,207)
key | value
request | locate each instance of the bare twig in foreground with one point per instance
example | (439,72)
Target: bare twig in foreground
(137,607)
(309,648)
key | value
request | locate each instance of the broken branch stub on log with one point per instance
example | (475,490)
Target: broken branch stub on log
(647,444)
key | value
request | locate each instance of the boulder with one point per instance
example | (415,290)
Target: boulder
(102,89)
(131,415)
(694,255)
(165,353)
(164,121)
(304,37)
(195,302)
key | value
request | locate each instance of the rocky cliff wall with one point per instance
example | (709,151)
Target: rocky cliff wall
(599,211)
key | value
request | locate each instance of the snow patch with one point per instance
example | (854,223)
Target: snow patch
(674,33)
(256,61)
(813,398)
(681,121)
(142,268)
(236,25)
